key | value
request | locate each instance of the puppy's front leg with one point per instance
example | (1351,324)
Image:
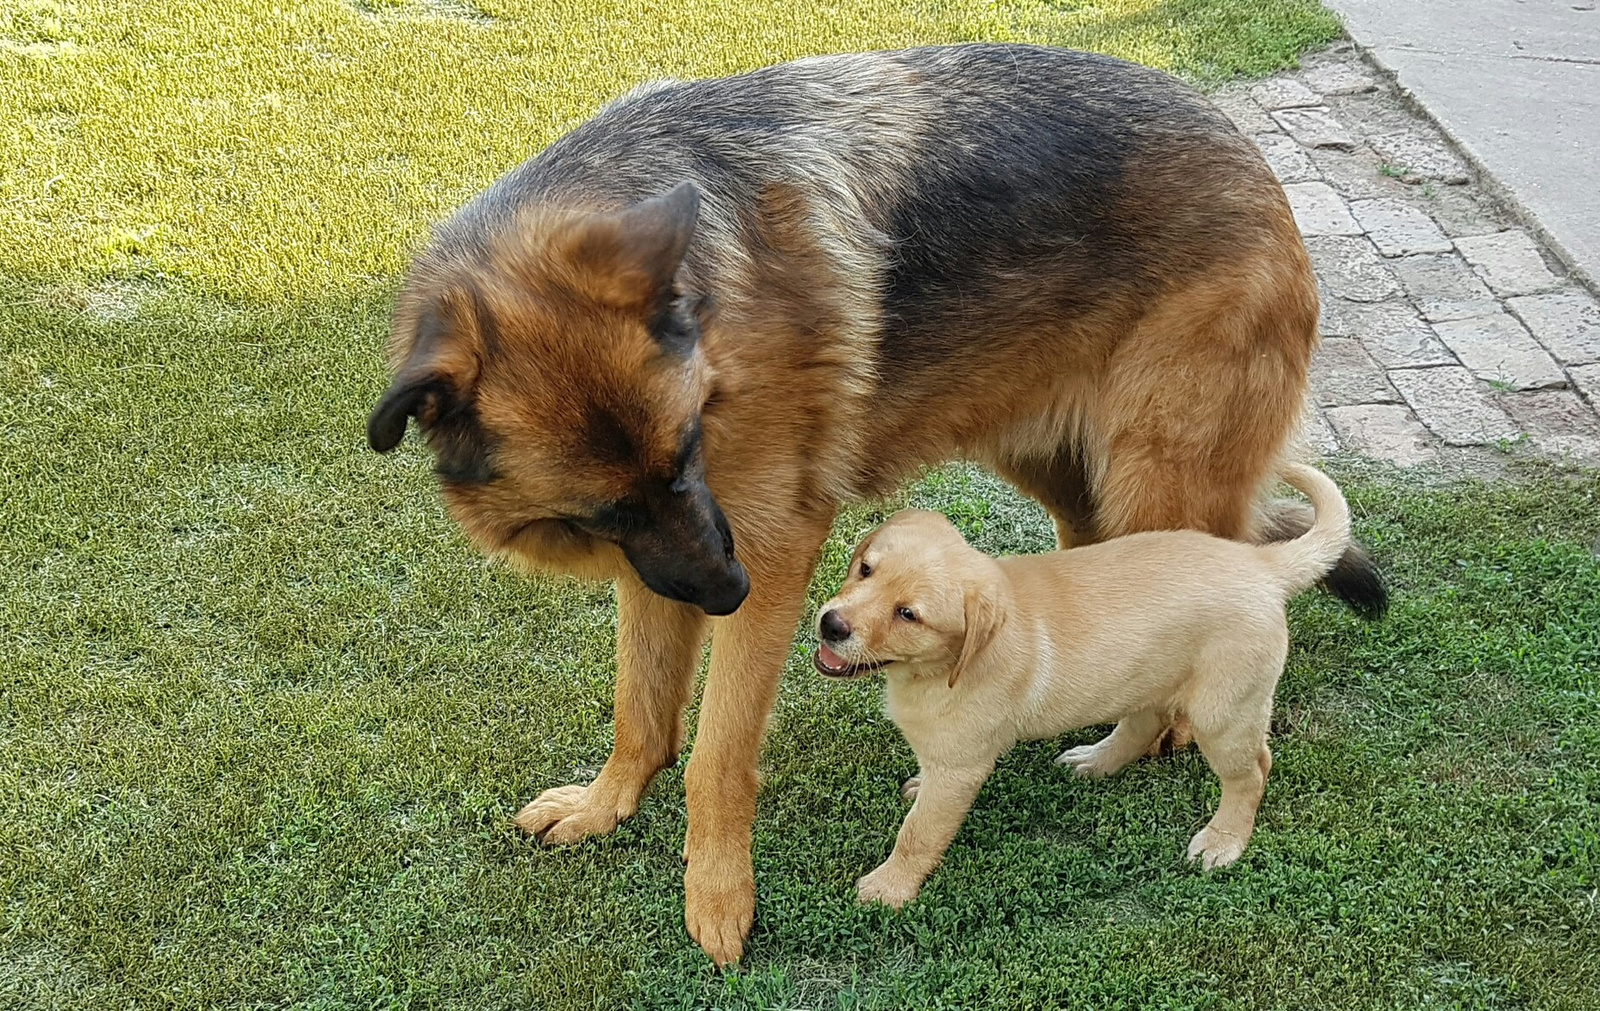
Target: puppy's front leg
(944,797)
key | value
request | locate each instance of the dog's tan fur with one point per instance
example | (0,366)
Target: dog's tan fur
(1141,366)
(980,654)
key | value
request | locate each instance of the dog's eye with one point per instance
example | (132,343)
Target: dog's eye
(688,453)
(713,400)
(612,520)
(866,570)
(905,614)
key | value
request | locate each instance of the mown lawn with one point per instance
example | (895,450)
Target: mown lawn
(264,716)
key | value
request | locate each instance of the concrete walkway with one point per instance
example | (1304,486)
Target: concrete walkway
(1516,85)
(1451,335)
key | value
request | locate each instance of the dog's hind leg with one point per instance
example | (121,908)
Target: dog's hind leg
(1133,735)
(1059,483)
(658,649)
(1199,402)
(1161,478)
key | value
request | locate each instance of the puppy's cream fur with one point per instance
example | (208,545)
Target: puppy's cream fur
(982,653)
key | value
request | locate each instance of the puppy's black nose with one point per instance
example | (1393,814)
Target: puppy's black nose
(834,627)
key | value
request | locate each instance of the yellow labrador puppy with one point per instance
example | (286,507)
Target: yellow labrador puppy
(982,653)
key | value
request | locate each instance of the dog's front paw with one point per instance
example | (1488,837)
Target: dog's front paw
(719,905)
(1212,848)
(908,789)
(567,814)
(889,886)
(1088,760)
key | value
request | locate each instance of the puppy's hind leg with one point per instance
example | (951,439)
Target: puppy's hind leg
(1235,746)
(1228,832)
(1125,744)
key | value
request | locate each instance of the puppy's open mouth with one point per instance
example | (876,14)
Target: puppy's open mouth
(831,665)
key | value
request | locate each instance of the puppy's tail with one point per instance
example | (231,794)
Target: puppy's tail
(1314,553)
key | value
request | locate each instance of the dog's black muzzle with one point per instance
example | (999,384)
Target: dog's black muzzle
(685,553)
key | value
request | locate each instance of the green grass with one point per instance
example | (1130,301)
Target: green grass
(280,153)
(264,715)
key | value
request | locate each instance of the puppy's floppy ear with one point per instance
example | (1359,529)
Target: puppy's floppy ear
(985,618)
(630,258)
(440,367)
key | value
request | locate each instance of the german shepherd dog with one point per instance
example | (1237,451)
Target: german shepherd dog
(664,350)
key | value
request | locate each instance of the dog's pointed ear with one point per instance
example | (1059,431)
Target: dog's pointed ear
(984,617)
(629,259)
(439,366)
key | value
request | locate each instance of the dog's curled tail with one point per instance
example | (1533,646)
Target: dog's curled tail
(1314,553)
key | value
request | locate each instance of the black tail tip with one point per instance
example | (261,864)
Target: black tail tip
(1356,581)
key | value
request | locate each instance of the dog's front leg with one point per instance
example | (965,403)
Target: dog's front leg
(748,651)
(658,649)
(943,800)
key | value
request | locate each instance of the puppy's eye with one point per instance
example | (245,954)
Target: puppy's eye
(866,570)
(905,614)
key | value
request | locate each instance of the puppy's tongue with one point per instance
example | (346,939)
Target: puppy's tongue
(830,659)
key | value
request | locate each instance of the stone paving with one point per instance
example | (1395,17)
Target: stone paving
(1449,334)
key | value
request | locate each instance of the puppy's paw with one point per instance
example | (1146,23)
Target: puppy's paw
(908,789)
(1088,760)
(889,886)
(1211,848)
(567,814)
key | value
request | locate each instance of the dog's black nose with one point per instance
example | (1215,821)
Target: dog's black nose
(834,627)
